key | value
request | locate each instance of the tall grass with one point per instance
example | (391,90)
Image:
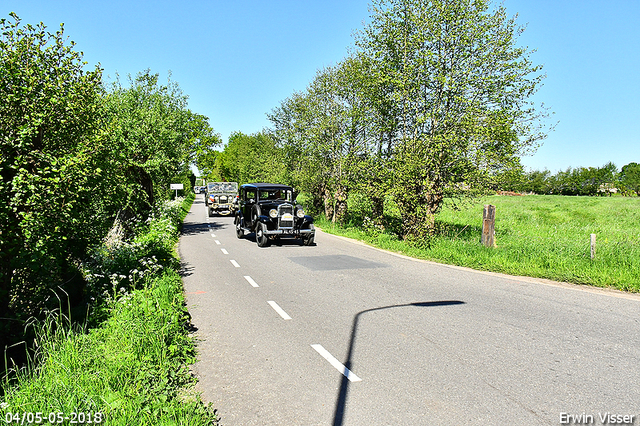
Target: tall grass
(130,369)
(538,236)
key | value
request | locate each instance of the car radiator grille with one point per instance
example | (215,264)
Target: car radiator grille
(285,209)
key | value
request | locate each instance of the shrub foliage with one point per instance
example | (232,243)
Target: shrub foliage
(77,156)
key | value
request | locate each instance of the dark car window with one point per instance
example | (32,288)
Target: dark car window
(269,195)
(275,194)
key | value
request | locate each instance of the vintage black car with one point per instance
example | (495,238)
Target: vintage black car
(270,210)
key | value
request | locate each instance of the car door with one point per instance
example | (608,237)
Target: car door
(247,200)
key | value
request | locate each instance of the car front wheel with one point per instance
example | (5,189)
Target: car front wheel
(307,240)
(261,237)
(239,230)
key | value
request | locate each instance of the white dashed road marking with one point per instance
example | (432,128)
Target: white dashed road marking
(251,281)
(336,364)
(234,263)
(279,310)
(224,251)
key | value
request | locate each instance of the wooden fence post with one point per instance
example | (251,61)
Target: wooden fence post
(488,225)
(593,246)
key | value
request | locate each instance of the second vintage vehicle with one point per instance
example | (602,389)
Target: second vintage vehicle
(221,198)
(270,210)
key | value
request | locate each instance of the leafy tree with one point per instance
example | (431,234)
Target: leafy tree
(294,131)
(73,156)
(630,177)
(50,167)
(536,182)
(459,87)
(510,179)
(324,135)
(575,181)
(154,137)
(606,178)
(363,159)
(247,158)
(209,165)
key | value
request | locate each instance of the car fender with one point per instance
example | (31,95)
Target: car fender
(305,222)
(256,212)
(264,219)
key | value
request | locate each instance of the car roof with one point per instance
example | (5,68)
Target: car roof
(263,185)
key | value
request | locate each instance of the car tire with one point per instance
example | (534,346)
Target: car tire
(261,237)
(239,230)
(307,240)
(210,212)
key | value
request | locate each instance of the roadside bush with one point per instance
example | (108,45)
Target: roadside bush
(50,169)
(131,367)
(118,266)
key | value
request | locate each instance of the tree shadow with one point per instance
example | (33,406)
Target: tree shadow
(341,400)
(194,228)
(199,228)
(186,269)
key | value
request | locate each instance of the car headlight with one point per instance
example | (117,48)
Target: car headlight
(273,213)
(300,213)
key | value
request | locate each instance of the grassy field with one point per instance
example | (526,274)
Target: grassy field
(537,236)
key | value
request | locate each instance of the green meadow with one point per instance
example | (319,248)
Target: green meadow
(544,236)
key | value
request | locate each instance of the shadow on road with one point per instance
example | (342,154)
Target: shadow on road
(186,269)
(341,401)
(194,228)
(199,228)
(286,242)
(278,242)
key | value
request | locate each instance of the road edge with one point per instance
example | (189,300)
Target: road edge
(578,287)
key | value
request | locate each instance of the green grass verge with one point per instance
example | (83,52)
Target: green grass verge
(186,205)
(537,236)
(131,369)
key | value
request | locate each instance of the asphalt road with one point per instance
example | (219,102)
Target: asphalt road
(344,334)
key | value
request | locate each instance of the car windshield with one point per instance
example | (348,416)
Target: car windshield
(229,187)
(223,187)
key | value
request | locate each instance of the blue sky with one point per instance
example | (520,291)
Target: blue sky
(237,60)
